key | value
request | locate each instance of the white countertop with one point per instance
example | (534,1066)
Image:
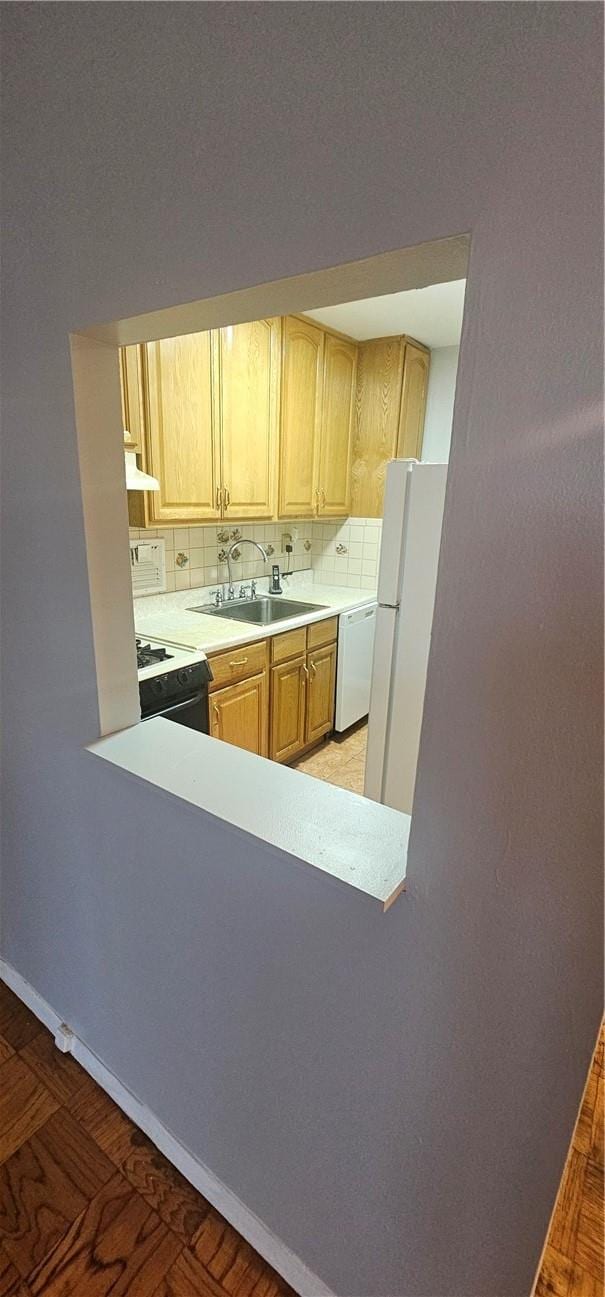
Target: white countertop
(166,617)
(361,843)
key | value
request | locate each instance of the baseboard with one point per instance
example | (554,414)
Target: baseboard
(271,1248)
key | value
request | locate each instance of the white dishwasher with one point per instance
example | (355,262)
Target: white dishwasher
(354,671)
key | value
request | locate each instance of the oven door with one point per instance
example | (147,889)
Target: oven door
(192,712)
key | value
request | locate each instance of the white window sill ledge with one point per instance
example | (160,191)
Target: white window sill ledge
(347,837)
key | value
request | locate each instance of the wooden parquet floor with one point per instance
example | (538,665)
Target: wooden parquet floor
(573,1260)
(90,1208)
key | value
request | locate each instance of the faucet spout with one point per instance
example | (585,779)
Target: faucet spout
(237,545)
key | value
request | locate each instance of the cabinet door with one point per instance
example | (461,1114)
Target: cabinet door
(301,400)
(182,441)
(321,664)
(413,401)
(288,697)
(239,714)
(377,407)
(131,387)
(249,359)
(340,366)
(133,421)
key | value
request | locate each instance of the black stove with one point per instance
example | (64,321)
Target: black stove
(179,693)
(147,656)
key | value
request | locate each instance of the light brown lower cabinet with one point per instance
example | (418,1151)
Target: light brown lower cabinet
(288,709)
(239,714)
(276,712)
(302,690)
(321,665)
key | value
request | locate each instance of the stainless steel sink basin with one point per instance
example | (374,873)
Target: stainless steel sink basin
(262,611)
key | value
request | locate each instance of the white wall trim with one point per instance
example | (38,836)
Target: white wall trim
(271,1248)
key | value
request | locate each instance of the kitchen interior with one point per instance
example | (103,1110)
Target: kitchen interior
(286,483)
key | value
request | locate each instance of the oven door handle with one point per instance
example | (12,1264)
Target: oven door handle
(179,707)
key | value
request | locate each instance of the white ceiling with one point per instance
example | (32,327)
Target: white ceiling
(433,315)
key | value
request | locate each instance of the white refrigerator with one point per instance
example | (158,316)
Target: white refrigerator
(409,555)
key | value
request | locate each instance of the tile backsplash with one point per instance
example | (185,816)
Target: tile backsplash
(347,552)
(339,553)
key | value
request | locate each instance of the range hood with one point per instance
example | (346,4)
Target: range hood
(136,480)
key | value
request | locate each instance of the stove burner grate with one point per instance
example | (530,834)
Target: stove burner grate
(147,656)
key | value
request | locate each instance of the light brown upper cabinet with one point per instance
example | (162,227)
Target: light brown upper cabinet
(212,423)
(413,401)
(182,428)
(319,372)
(249,421)
(133,421)
(248,413)
(379,380)
(131,390)
(389,415)
(340,373)
(302,388)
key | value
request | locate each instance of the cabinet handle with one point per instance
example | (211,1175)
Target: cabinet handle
(227,496)
(238,662)
(305,669)
(217,716)
(317,500)
(323,498)
(313,668)
(218,499)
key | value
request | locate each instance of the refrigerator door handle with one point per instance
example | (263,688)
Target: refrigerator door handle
(389,605)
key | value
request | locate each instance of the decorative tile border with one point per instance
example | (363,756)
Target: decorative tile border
(192,552)
(342,554)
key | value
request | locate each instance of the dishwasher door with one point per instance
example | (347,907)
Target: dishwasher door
(356,632)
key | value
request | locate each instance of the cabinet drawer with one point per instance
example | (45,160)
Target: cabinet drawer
(322,632)
(289,645)
(237,663)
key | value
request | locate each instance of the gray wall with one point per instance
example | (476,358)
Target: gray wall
(392,1095)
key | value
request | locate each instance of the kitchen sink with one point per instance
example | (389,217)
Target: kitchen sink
(262,611)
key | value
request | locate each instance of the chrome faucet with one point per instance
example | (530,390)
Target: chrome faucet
(236,545)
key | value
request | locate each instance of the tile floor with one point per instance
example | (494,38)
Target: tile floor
(340,760)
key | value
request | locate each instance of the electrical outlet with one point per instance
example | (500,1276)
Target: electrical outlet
(285,541)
